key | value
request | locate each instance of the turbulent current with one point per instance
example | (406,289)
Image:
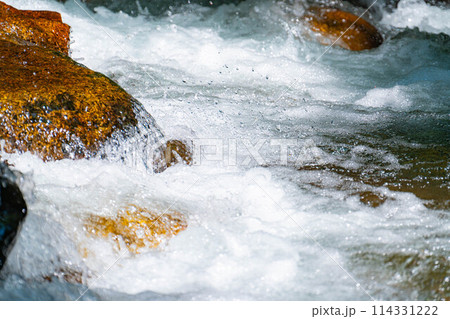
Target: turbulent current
(319,173)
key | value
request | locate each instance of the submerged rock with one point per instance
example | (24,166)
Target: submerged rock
(13,210)
(415,274)
(137,227)
(372,199)
(349,31)
(72,276)
(43,28)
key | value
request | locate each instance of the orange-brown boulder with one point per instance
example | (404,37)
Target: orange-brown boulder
(349,31)
(43,28)
(136,227)
(54,107)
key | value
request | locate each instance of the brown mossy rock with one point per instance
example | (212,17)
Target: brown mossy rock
(54,107)
(43,28)
(172,153)
(345,28)
(372,199)
(177,152)
(137,227)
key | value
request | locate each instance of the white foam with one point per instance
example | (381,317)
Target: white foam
(416,13)
(395,98)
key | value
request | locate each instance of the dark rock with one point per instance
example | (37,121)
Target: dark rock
(439,3)
(154,7)
(13,210)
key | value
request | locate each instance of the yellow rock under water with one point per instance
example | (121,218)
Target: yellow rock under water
(137,227)
(342,28)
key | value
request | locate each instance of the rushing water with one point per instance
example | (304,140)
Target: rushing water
(357,207)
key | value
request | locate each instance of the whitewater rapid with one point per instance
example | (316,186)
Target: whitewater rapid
(259,228)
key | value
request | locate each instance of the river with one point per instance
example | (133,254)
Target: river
(319,173)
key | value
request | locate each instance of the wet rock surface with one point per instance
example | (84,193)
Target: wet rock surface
(43,28)
(343,29)
(177,152)
(13,210)
(136,227)
(154,7)
(54,107)
(421,271)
